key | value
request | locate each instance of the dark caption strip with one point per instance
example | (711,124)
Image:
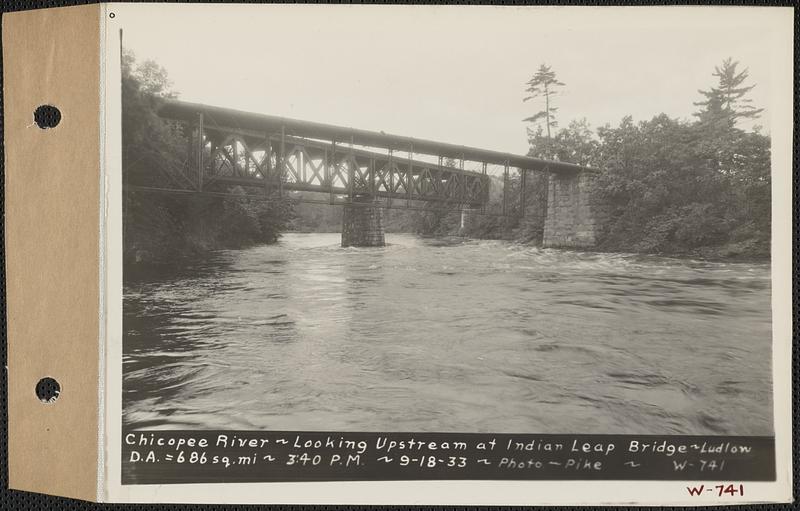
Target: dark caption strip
(164,457)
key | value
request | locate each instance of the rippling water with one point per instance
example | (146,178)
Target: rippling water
(427,335)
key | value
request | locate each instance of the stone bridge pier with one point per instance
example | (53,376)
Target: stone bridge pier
(572,211)
(362,223)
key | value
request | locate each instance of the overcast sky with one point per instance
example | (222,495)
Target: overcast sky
(453,74)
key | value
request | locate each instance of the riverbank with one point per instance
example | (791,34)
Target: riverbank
(754,251)
(163,229)
(747,250)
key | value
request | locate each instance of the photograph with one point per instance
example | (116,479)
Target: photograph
(447,219)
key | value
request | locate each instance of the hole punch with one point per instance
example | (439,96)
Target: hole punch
(48,390)
(47,116)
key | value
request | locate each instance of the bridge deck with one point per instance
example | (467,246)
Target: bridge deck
(229,147)
(226,117)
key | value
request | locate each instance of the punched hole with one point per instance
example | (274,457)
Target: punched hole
(47,116)
(47,390)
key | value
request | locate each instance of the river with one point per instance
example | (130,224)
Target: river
(460,335)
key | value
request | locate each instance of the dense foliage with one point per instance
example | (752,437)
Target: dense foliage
(672,186)
(164,227)
(697,186)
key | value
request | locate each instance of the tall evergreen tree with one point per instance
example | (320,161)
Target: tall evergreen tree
(727,101)
(544,84)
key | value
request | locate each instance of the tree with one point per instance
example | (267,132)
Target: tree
(163,228)
(576,143)
(666,185)
(544,84)
(674,186)
(726,103)
(154,80)
(152,148)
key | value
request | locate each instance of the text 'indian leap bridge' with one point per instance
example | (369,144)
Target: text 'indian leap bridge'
(364,171)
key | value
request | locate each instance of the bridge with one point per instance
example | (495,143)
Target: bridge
(364,171)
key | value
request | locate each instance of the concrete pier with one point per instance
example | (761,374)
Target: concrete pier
(362,224)
(572,211)
(469,218)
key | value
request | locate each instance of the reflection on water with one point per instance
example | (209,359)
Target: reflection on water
(478,336)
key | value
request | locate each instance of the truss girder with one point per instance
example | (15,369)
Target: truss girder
(247,158)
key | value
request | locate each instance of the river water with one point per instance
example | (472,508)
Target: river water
(468,336)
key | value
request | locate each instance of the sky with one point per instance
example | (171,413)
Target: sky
(453,74)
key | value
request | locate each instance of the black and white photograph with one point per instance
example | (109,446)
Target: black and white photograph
(399,254)
(447,220)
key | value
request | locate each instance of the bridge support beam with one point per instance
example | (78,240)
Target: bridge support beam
(469,218)
(362,223)
(571,220)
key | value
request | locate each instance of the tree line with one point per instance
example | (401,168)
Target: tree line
(699,186)
(163,228)
(668,185)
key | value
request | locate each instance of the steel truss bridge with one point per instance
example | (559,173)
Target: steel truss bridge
(268,156)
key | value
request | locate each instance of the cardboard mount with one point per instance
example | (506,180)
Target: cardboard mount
(52,243)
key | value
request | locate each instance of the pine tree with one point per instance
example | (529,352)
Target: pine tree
(727,101)
(544,84)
